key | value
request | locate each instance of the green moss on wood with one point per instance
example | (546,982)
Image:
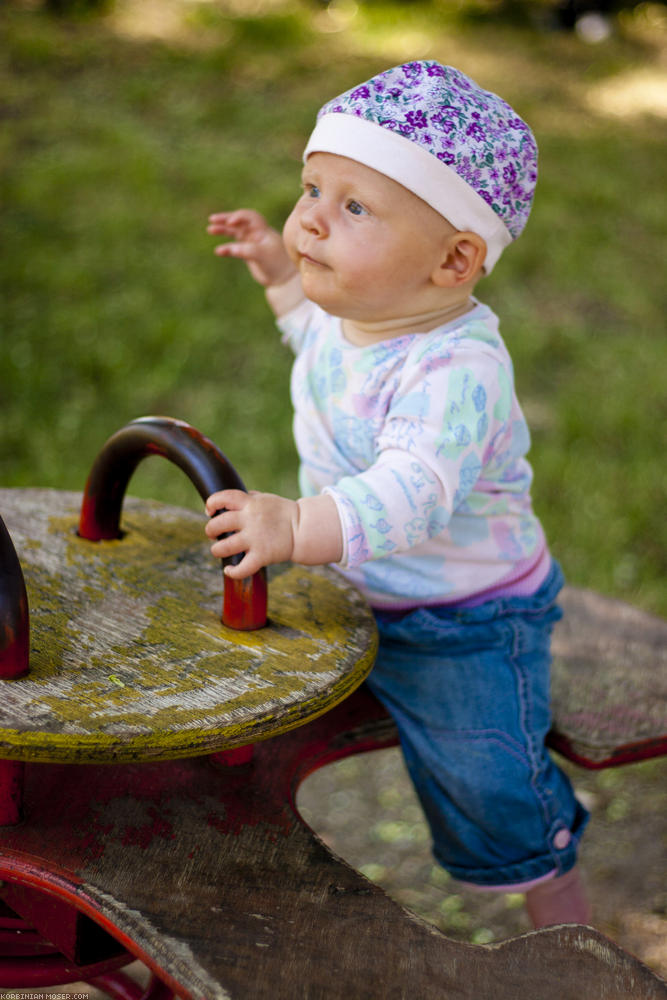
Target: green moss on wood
(129,658)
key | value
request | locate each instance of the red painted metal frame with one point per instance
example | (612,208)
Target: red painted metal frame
(28,956)
(245,601)
(30,972)
(28,960)
(631,754)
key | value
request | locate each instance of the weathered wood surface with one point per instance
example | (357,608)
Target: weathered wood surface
(210,877)
(609,683)
(129,659)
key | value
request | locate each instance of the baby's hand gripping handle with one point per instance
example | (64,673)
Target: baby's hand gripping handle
(14,616)
(244,601)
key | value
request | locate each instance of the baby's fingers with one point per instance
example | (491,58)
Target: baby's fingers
(228,499)
(244,251)
(243,220)
(223,523)
(228,546)
(222,222)
(248,566)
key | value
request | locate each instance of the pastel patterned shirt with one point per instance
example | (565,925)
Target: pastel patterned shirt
(421,442)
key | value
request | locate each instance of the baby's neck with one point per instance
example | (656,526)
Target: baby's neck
(362,334)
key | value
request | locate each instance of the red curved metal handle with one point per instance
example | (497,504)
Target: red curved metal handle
(244,601)
(14,615)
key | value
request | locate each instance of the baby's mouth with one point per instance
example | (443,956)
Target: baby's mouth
(305,258)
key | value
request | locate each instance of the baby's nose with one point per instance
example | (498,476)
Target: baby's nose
(313,219)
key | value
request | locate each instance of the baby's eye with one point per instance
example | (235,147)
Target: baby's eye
(355,208)
(311,190)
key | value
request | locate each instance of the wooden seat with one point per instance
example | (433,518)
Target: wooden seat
(609,681)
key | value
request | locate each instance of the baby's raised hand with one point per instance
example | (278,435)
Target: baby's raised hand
(255,242)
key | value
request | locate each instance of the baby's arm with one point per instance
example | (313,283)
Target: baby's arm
(263,250)
(271,529)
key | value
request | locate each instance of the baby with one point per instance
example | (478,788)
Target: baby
(412,446)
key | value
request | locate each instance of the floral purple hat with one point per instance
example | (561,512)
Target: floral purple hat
(461,149)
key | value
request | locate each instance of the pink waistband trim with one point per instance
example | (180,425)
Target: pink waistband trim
(524,580)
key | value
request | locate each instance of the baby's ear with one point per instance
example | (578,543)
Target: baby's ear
(462,260)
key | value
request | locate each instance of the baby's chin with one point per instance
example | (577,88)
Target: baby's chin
(313,289)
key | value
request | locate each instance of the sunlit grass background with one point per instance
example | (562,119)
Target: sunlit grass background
(122,131)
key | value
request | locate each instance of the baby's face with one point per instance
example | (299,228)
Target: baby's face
(364,245)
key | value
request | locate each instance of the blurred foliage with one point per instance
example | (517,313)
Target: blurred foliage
(123,131)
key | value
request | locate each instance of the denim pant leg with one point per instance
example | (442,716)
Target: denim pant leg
(469,691)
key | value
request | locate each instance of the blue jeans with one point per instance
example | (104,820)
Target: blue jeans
(468,689)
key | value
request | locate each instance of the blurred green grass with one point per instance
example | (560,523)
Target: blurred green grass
(122,132)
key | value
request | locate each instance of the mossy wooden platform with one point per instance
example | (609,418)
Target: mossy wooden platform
(129,659)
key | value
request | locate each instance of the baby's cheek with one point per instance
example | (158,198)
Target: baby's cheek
(290,230)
